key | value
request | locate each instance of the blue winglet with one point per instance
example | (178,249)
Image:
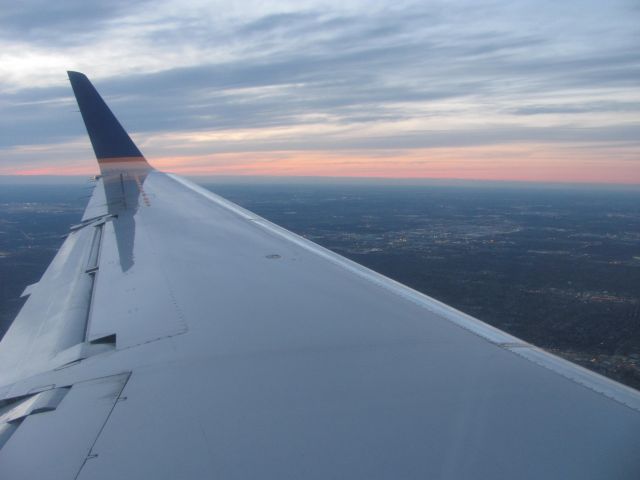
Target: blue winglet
(109,140)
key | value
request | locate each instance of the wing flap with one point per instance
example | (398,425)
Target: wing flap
(56,441)
(131,287)
(54,317)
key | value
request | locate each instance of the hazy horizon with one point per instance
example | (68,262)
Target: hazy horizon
(275,179)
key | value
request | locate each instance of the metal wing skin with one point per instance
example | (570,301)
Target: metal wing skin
(178,336)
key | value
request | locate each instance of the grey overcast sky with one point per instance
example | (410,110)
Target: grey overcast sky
(514,90)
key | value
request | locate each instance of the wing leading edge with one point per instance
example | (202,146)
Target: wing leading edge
(222,345)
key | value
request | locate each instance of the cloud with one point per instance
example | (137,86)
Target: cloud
(571,108)
(63,23)
(343,75)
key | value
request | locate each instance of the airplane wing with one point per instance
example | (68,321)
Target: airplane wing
(176,335)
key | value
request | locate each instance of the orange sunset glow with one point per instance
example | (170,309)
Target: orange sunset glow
(528,163)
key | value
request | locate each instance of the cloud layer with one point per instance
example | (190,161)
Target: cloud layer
(555,84)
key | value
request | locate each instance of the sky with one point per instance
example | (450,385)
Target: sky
(491,90)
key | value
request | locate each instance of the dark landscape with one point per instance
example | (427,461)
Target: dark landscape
(556,266)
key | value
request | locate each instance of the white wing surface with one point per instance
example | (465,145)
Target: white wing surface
(176,335)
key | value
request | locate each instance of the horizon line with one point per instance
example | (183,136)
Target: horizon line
(340,178)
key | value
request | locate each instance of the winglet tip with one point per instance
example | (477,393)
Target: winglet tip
(108,138)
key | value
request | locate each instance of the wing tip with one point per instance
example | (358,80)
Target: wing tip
(74,75)
(111,143)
